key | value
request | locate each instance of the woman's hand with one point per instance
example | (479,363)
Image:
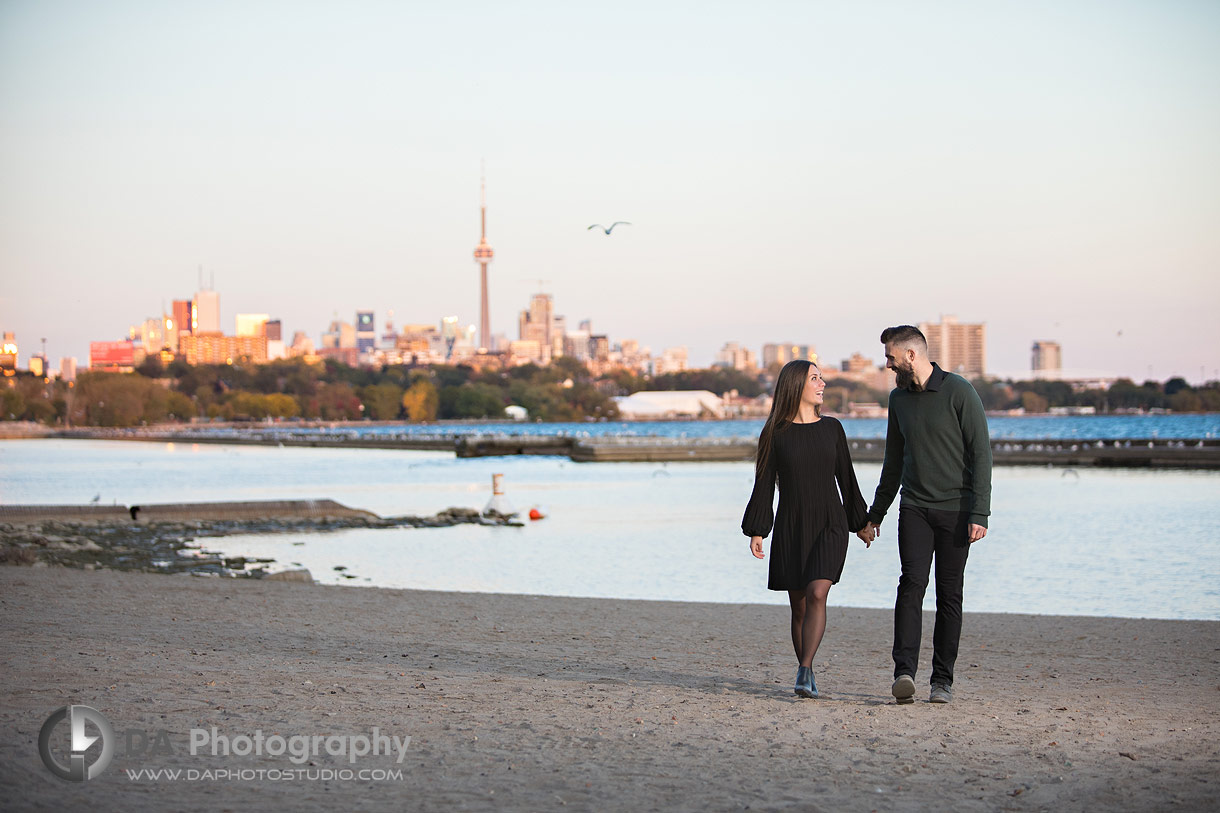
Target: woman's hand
(756,547)
(868,533)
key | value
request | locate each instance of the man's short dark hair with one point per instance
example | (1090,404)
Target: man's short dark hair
(903,334)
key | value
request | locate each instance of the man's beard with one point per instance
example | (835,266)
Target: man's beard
(904,378)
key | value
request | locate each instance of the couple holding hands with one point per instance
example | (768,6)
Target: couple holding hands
(936,447)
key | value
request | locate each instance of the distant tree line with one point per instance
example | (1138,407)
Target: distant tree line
(1175,395)
(561,391)
(293,389)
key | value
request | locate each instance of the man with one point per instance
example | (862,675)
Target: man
(937,447)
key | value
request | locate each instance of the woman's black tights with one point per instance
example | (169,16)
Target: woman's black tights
(808,619)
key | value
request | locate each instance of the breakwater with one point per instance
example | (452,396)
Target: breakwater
(1202,453)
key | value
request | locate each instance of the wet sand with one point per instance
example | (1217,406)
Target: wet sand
(535,703)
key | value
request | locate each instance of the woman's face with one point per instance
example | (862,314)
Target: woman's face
(814,387)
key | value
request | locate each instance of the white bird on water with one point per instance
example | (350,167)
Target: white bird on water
(612,225)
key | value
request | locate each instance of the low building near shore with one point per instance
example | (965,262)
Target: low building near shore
(743,407)
(669,404)
(870,409)
(1073,410)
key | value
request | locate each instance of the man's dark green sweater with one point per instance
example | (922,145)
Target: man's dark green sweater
(938,448)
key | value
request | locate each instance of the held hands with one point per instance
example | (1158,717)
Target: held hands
(871,531)
(756,547)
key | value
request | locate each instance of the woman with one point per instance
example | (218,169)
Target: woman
(807,454)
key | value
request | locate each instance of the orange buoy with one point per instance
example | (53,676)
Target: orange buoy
(536,514)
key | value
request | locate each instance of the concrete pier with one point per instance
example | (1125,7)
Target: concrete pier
(501,445)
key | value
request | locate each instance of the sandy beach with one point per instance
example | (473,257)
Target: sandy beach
(532,703)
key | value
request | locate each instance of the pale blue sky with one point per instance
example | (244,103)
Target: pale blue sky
(805,171)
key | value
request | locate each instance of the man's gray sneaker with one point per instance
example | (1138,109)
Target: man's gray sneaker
(941,693)
(904,689)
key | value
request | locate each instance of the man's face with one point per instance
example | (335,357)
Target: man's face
(899,359)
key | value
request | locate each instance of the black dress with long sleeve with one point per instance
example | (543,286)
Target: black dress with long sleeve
(812,523)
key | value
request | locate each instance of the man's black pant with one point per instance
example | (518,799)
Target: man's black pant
(922,533)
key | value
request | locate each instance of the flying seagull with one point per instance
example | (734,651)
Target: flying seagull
(612,225)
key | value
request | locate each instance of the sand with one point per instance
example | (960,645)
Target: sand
(534,703)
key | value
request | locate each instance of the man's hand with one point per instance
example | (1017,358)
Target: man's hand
(868,533)
(756,547)
(977,532)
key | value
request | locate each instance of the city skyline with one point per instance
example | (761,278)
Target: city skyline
(793,172)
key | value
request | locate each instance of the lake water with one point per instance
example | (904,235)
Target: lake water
(1026,428)
(1084,542)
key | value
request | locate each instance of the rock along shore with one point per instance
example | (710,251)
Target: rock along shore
(164,538)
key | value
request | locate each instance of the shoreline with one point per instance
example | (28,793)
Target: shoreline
(292,575)
(527,703)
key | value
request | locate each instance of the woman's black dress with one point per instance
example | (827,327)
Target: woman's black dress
(812,523)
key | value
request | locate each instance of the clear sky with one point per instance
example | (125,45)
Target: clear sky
(794,171)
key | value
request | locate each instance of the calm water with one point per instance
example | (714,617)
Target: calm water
(1031,428)
(1089,542)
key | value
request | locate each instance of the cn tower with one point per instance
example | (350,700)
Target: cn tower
(483,255)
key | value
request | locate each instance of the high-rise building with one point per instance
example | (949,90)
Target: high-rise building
(483,255)
(576,343)
(8,354)
(366,332)
(389,338)
(673,360)
(339,334)
(169,333)
(449,334)
(537,324)
(422,340)
(781,354)
(67,368)
(205,312)
(270,330)
(525,350)
(252,324)
(957,347)
(1046,358)
(634,357)
(149,335)
(858,363)
(559,329)
(180,314)
(736,357)
(301,344)
(213,348)
(599,348)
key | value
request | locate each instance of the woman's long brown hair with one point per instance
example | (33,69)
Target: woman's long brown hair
(784,405)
